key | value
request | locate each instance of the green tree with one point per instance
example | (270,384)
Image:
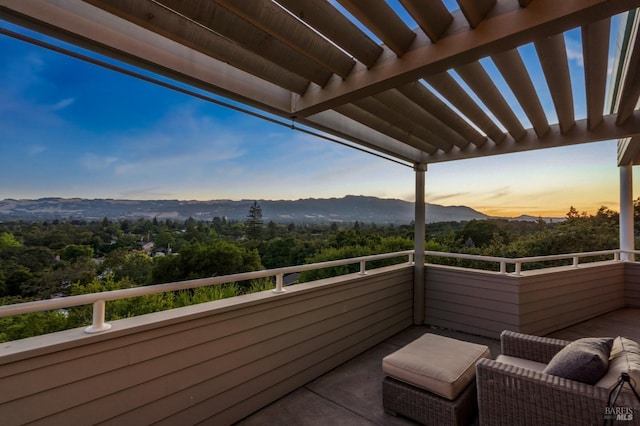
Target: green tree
(8,240)
(33,324)
(201,260)
(253,223)
(134,265)
(279,252)
(74,252)
(479,233)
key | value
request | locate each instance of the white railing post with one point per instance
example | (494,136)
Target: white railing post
(576,261)
(410,258)
(98,324)
(625,219)
(503,267)
(518,267)
(363,267)
(279,283)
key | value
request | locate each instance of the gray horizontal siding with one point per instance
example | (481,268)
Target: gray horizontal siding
(551,301)
(536,302)
(632,285)
(214,363)
(483,303)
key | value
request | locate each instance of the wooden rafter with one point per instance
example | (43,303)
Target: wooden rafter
(373,121)
(595,42)
(631,85)
(432,16)
(326,19)
(481,83)
(272,19)
(513,27)
(475,10)
(555,66)
(515,73)
(458,97)
(423,97)
(378,16)
(151,15)
(397,101)
(249,37)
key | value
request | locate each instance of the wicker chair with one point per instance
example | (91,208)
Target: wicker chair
(510,395)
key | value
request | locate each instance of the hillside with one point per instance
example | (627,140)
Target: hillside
(311,210)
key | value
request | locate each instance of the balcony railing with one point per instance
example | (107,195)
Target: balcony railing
(98,300)
(519,262)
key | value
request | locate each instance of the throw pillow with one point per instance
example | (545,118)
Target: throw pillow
(584,360)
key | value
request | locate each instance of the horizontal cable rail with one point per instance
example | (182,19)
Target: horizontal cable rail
(98,300)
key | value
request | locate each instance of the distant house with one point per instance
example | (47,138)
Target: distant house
(149,247)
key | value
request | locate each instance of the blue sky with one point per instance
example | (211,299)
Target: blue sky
(73,129)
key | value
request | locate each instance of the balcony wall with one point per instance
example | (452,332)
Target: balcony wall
(214,363)
(536,302)
(632,285)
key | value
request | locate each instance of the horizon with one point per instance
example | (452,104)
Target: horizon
(74,129)
(251,200)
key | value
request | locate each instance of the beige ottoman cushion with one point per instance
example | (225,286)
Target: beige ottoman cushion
(438,364)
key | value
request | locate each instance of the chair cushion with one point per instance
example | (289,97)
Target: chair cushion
(521,362)
(439,364)
(625,357)
(583,360)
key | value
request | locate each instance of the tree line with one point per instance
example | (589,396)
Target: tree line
(45,259)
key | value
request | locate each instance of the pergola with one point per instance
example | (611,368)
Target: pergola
(317,66)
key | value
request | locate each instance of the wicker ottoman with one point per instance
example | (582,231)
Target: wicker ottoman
(432,380)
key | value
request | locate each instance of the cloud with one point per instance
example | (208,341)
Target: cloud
(442,197)
(62,104)
(574,51)
(94,162)
(150,193)
(36,149)
(176,155)
(499,193)
(184,139)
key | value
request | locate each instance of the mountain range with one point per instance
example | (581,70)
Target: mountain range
(347,209)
